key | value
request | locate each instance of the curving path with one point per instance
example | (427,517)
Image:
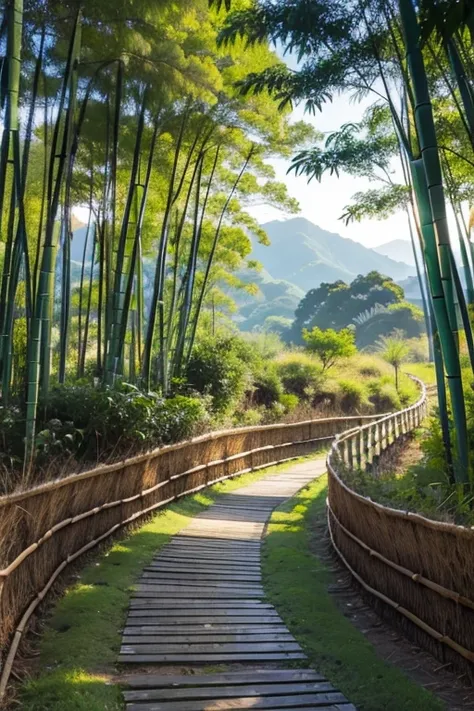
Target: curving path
(201,603)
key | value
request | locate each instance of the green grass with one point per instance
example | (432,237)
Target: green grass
(297,582)
(424,371)
(82,638)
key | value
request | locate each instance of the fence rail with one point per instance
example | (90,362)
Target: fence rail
(419,572)
(44,529)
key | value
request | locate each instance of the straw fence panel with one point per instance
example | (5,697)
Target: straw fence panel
(45,528)
(419,572)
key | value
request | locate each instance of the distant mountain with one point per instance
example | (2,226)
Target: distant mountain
(306,255)
(301,256)
(400,250)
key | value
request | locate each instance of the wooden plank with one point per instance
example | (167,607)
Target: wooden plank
(209,558)
(217,612)
(192,659)
(185,538)
(267,702)
(137,706)
(208,574)
(192,578)
(168,647)
(229,692)
(203,629)
(199,567)
(144,620)
(170,604)
(198,544)
(190,592)
(214,637)
(249,676)
(198,582)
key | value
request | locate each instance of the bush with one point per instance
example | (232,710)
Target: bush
(267,386)
(353,396)
(179,418)
(384,396)
(370,371)
(300,375)
(289,402)
(114,419)
(248,418)
(221,367)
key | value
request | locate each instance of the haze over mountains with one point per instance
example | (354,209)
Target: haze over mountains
(398,249)
(306,255)
(301,256)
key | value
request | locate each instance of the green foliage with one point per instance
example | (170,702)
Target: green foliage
(300,375)
(117,419)
(394,350)
(402,316)
(220,367)
(277,324)
(289,401)
(330,346)
(338,305)
(267,386)
(384,396)
(353,396)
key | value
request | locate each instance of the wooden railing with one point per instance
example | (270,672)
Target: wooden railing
(419,573)
(44,529)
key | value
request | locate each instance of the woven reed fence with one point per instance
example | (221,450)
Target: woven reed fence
(44,529)
(419,572)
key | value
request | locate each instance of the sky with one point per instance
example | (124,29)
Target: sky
(323,203)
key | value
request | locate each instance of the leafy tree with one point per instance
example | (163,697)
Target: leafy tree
(380,321)
(395,351)
(337,305)
(330,345)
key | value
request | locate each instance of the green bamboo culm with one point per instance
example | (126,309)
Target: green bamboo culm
(441,320)
(9,153)
(432,208)
(39,351)
(426,132)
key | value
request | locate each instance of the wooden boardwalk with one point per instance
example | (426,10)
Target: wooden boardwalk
(201,603)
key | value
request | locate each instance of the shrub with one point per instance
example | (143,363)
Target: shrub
(289,402)
(247,418)
(384,396)
(220,367)
(370,371)
(179,418)
(353,396)
(267,386)
(300,375)
(94,421)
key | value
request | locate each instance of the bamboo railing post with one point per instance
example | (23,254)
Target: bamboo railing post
(367,448)
(345,453)
(359,449)
(350,445)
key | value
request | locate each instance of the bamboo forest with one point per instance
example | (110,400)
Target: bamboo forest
(237,355)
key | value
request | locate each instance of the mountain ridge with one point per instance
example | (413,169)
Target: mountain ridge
(305,254)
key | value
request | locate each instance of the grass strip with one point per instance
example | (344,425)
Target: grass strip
(79,647)
(296,582)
